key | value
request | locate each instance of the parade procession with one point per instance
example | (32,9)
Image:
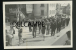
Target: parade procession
(33,24)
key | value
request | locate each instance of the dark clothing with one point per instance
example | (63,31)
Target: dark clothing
(34,29)
(58,25)
(48,27)
(64,22)
(53,28)
(30,25)
(67,21)
(43,28)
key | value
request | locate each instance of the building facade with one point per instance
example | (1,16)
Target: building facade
(58,9)
(40,10)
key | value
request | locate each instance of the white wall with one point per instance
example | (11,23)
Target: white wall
(52,9)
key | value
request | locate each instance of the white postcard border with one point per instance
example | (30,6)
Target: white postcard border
(35,2)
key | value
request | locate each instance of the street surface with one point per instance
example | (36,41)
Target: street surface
(38,41)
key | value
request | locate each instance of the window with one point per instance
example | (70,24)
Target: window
(42,12)
(42,5)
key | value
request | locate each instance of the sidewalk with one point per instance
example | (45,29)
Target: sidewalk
(38,41)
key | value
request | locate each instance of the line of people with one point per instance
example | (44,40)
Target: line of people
(50,26)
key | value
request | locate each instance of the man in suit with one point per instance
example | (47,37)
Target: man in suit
(30,26)
(39,25)
(34,29)
(53,27)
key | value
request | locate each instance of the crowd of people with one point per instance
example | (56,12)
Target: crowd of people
(51,24)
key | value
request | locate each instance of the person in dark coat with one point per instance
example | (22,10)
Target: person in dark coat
(39,27)
(34,29)
(43,29)
(67,22)
(61,23)
(30,26)
(53,27)
(57,25)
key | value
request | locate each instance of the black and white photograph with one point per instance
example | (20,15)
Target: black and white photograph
(37,24)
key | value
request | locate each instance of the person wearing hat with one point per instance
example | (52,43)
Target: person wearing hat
(53,27)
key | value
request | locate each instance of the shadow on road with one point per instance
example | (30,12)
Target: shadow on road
(34,41)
